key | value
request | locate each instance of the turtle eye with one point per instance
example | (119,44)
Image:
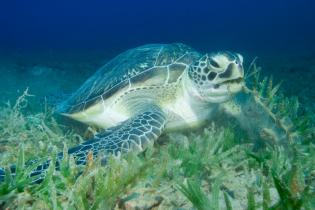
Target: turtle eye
(214,63)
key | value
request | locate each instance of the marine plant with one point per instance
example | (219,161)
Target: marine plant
(287,113)
(208,168)
(287,166)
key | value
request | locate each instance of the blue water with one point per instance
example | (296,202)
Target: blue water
(52,46)
(60,43)
(269,26)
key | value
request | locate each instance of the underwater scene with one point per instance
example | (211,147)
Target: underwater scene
(138,105)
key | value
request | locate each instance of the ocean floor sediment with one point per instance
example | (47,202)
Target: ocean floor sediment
(216,167)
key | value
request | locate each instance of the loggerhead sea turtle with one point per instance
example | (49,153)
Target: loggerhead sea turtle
(146,91)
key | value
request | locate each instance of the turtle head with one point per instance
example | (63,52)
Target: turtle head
(217,77)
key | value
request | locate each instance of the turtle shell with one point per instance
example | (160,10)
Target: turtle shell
(136,65)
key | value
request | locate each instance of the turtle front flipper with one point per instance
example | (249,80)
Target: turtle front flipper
(132,135)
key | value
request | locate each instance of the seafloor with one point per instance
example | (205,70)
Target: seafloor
(216,168)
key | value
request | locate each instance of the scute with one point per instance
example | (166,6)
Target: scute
(140,64)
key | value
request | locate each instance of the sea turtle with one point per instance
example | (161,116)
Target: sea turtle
(146,91)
